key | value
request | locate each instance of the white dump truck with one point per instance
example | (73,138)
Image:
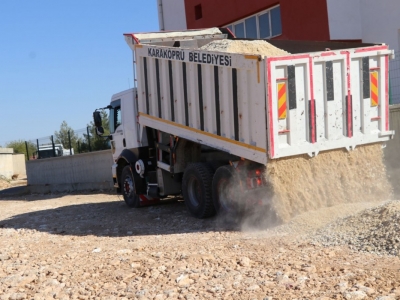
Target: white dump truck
(200,121)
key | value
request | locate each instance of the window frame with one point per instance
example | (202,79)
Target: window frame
(113,115)
(231,26)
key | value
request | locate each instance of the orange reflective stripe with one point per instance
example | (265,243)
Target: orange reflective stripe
(374,88)
(282,101)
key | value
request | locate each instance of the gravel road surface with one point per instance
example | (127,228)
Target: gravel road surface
(91,246)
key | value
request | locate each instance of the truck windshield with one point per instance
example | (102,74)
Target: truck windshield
(115,115)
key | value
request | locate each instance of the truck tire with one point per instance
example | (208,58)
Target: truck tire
(226,191)
(129,188)
(196,190)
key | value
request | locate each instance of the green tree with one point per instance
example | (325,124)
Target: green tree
(61,137)
(97,142)
(19,146)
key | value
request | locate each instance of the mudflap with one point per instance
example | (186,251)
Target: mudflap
(148,201)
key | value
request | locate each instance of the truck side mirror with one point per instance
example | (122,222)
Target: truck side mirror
(98,123)
(99,131)
(97,119)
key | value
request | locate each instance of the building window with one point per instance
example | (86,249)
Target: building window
(265,24)
(239,28)
(276,25)
(251,27)
(198,13)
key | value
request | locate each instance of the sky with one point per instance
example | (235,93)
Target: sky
(60,60)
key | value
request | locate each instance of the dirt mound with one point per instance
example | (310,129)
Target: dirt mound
(250,47)
(374,230)
(302,183)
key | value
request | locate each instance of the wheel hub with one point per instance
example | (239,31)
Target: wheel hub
(128,186)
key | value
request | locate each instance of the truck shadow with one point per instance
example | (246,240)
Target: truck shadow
(115,219)
(22,193)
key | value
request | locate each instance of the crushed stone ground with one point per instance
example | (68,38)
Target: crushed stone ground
(94,247)
(375,230)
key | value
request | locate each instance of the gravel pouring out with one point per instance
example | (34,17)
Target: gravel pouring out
(302,183)
(334,177)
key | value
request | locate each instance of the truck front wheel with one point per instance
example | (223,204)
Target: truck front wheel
(129,188)
(196,189)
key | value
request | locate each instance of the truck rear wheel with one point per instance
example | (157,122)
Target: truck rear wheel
(196,189)
(225,189)
(129,188)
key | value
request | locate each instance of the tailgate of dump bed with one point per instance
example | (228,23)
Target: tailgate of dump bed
(327,100)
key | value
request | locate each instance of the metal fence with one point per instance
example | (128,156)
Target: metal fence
(69,143)
(394,78)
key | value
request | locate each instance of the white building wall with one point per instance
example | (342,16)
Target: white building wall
(171,14)
(371,21)
(381,22)
(344,17)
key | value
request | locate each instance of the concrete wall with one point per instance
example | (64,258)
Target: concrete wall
(392,150)
(6,165)
(11,164)
(71,173)
(19,166)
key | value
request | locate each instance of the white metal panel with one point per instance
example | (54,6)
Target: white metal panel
(301,92)
(319,93)
(179,104)
(228,145)
(209,100)
(193,96)
(226,106)
(343,115)
(153,108)
(225,96)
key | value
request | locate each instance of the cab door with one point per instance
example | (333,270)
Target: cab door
(116,129)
